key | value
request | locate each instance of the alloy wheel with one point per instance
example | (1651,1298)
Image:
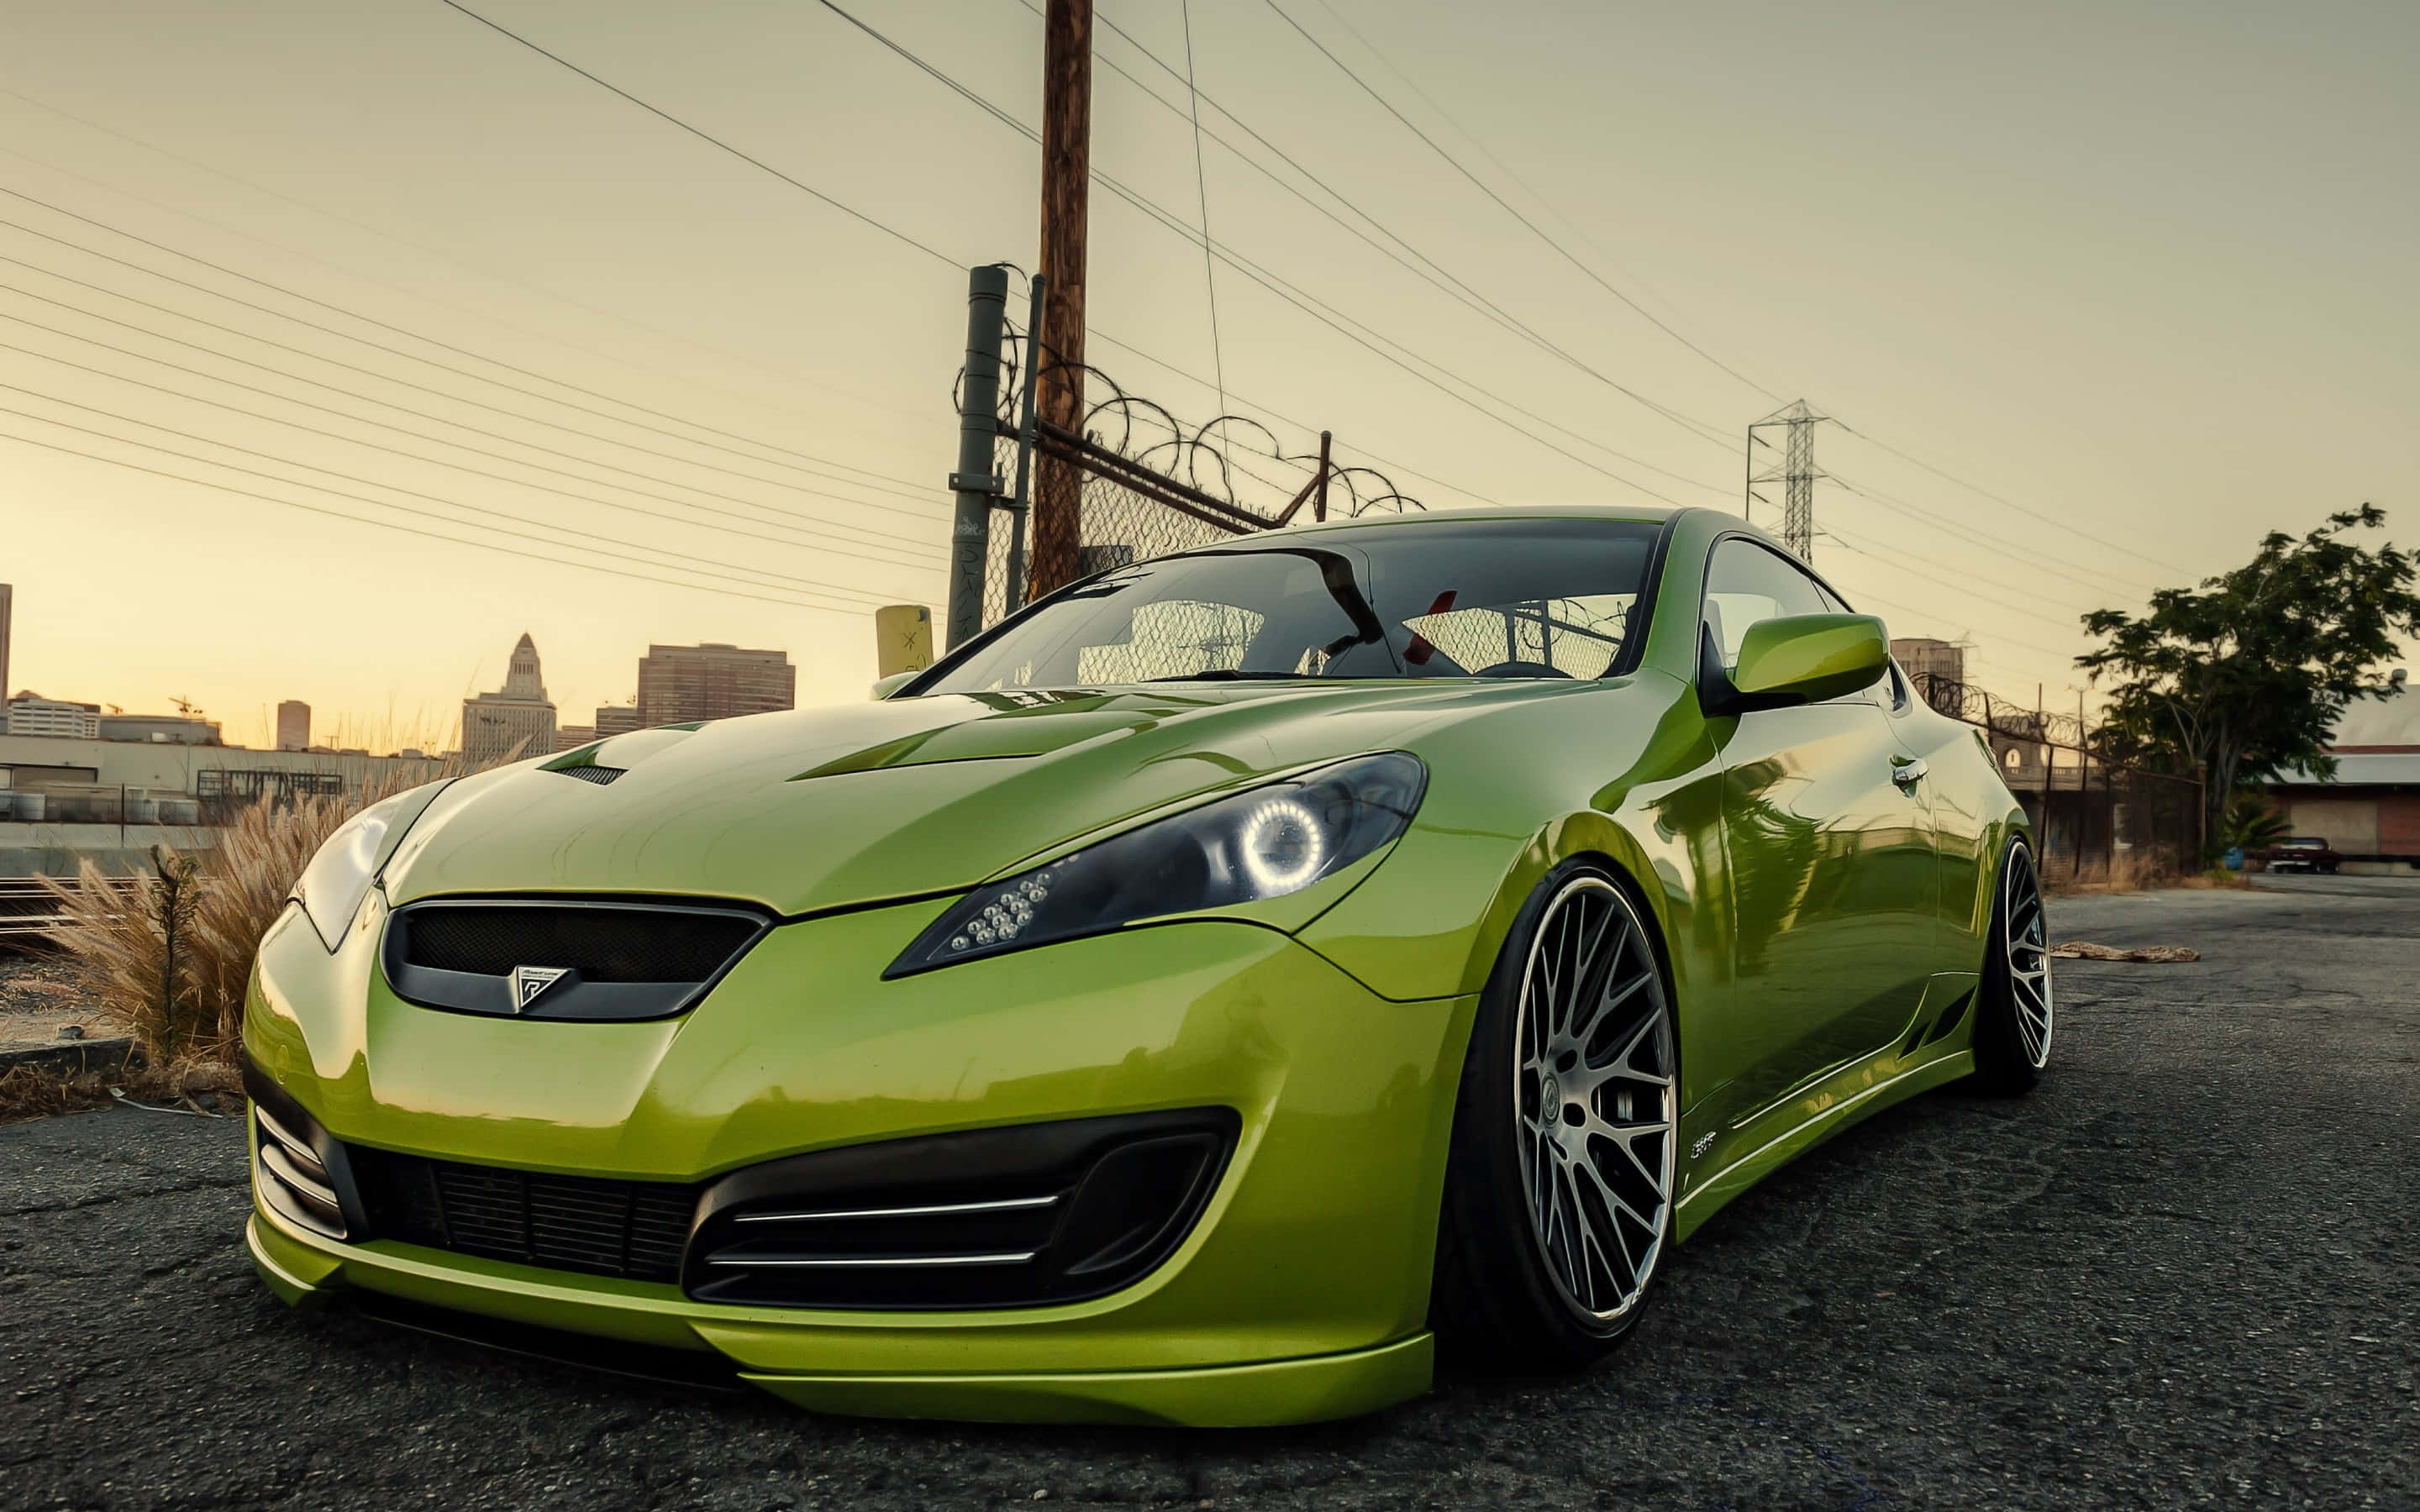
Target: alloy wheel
(2027,951)
(1595,1100)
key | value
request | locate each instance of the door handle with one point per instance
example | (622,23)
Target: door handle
(1907,771)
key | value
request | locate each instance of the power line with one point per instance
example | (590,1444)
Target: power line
(1958,531)
(711,141)
(407,529)
(1202,184)
(1937,572)
(820,195)
(1292,294)
(554,294)
(840,548)
(388,404)
(444,394)
(1426,268)
(2009,503)
(1535,229)
(442,367)
(365,420)
(708,570)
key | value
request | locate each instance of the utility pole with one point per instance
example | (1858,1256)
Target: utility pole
(1796,473)
(975,484)
(1058,357)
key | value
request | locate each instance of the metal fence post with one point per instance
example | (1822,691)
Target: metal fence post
(975,484)
(1020,504)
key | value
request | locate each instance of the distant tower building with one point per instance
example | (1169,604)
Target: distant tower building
(7,609)
(516,722)
(573,737)
(1929,663)
(294,725)
(681,685)
(617,719)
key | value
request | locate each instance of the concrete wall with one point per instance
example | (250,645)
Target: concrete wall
(53,850)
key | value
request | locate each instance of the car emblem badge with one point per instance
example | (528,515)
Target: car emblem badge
(530,983)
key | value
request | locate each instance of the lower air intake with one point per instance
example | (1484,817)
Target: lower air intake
(631,1230)
(1026,1216)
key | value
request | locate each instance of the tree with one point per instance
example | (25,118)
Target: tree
(2246,675)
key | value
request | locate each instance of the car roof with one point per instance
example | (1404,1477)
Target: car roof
(1646,514)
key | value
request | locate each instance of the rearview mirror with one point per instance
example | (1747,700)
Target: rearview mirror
(1799,658)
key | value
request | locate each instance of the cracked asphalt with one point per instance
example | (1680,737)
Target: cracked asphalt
(2182,1273)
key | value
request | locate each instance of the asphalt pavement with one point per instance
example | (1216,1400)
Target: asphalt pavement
(2184,1272)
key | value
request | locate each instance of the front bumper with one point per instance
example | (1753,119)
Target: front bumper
(1301,1293)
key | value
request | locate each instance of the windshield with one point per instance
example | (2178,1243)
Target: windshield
(1462,599)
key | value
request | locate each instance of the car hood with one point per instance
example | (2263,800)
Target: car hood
(818,809)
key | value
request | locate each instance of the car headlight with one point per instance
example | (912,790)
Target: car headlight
(1262,843)
(341,874)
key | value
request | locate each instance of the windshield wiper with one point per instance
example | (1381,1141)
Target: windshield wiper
(1228,674)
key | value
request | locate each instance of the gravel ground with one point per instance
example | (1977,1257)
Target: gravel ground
(2182,1273)
(36,1002)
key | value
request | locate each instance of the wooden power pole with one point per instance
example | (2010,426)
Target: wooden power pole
(1058,359)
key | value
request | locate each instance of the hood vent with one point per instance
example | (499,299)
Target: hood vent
(598,775)
(563,958)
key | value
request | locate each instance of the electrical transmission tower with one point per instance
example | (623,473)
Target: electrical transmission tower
(1795,472)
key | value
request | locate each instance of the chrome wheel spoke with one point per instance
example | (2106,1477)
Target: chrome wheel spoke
(1595,1101)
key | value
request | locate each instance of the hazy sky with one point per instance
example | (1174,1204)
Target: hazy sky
(2141,270)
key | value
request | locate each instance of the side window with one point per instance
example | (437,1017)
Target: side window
(1746,582)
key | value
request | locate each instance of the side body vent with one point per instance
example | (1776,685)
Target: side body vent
(1026,1216)
(563,958)
(301,1172)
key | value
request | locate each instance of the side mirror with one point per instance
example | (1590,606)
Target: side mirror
(884,687)
(1799,658)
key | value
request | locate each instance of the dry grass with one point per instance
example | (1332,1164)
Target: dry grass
(171,955)
(34,1093)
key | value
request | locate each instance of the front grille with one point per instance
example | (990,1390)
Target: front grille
(588,960)
(632,1229)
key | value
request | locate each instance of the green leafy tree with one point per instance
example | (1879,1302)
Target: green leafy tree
(2246,675)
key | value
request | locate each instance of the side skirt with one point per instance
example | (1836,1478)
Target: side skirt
(1856,1092)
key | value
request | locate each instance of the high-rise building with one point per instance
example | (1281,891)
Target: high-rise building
(7,611)
(294,725)
(573,737)
(514,722)
(681,685)
(616,718)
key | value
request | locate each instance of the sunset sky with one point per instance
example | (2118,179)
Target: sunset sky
(2120,285)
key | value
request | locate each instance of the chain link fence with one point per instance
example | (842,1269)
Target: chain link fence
(2094,820)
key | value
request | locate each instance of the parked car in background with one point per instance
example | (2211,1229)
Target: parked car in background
(2302,853)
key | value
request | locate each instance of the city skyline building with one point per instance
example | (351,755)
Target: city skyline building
(616,718)
(8,613)
(573,737)
(30,714)
(516,720)
(293,725)
(683,685)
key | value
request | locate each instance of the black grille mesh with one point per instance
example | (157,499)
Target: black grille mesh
(603,944)
(598,775)
(634,1229)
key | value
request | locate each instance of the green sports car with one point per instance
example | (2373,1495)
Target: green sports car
(1199,999)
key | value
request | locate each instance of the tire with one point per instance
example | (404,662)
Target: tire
(1551,1234)
(2016,1013)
